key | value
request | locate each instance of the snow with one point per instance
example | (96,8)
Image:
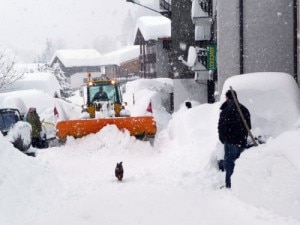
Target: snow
(38,81)
(120,56)
(14,103)
(175,181)
(20,129)
(78,57)
(153,27)
(273,108)
(197,10)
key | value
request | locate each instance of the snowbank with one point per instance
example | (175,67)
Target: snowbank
(14,103)
(46,82)
(273,100)
(139,93)
(176,180)
(268,175)
(24,185)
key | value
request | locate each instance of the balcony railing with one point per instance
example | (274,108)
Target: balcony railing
(165,5)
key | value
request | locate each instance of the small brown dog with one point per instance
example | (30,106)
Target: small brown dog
(119,171)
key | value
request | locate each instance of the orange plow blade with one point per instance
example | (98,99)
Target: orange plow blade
(143,125)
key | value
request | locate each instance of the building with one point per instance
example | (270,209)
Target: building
(256,36)
(121,63)
(296,4)
(187,86)
(73,61)
(153,35)
(246,37)
(230,38)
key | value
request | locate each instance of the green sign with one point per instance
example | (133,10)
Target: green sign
(212,57)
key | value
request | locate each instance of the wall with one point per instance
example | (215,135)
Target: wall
(268,37)
(69,71)
(131,67)
(162,62)
(298,42)
(227,40)
(187,90)
(183,33)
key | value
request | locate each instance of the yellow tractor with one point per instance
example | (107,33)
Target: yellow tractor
(104,106)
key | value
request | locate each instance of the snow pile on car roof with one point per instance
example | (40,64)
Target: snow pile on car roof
(272,99)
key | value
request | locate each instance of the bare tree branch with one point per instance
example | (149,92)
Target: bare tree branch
(8,72)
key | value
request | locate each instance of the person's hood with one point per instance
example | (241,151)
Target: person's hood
(224,105)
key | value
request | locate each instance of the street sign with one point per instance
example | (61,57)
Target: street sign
(211,57)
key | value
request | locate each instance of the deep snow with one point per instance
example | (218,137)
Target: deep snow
(176,181)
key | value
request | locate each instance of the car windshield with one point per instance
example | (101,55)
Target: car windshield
(8,119)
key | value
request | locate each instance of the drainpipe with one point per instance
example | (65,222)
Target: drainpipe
(295,26)
(241,30)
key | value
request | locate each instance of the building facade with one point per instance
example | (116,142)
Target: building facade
(73,61)
(256,36)
(154,40)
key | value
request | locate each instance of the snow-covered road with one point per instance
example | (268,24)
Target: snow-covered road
(157,189)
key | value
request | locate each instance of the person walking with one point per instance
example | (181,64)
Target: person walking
(232,132)
(33,118)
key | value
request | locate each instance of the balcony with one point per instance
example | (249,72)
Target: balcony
(165,8)
(165,4)
(202,12)
(202,18)
(148,58)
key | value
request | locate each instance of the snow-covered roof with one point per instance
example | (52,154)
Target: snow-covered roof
(120,56)
(78,57)
(153,27)
(197,11)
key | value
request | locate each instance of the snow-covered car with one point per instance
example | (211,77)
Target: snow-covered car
(18,132)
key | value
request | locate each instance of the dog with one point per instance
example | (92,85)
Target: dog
(119,171)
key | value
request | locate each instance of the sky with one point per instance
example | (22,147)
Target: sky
(27,24)
(175,181)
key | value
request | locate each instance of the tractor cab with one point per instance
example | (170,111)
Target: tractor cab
(104,96)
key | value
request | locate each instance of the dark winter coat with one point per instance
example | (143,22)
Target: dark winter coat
(100,96)
(231,128)
(34,119)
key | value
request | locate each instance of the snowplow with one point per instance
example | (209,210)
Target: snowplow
(104,106)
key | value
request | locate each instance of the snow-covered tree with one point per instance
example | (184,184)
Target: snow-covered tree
(8,72)
(47,53)
(60,76)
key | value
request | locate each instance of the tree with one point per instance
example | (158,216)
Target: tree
(60,76)
(47,53)
(8,72)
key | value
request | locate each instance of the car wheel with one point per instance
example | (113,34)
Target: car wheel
(19,144)
(20,135)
